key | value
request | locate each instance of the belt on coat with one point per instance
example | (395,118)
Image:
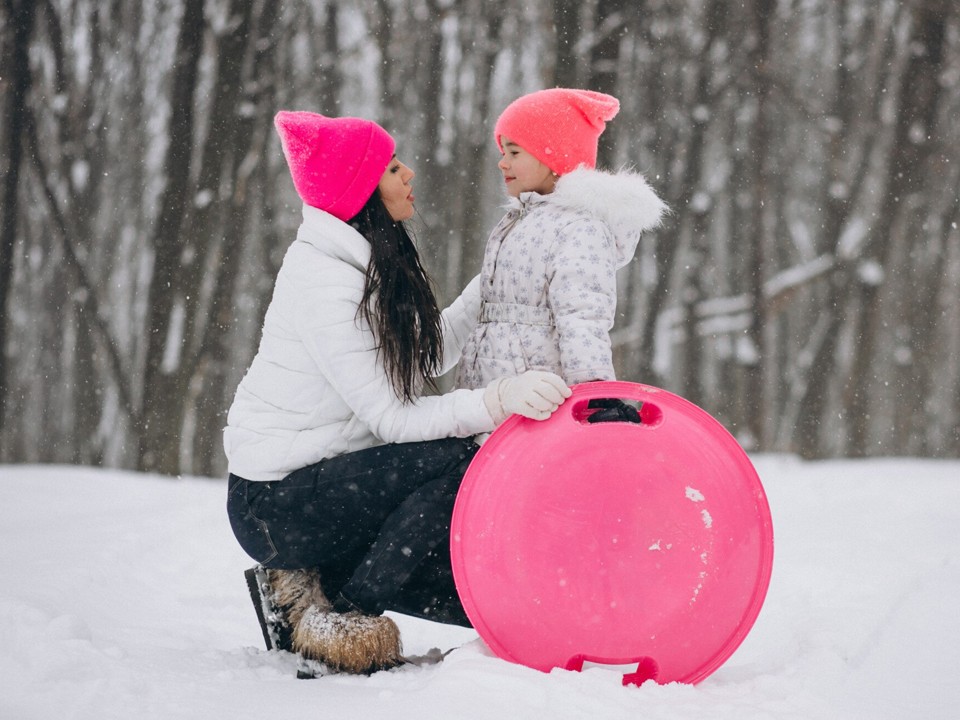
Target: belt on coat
(514,313)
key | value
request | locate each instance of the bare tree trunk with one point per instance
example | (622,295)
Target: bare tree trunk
(610,24)
(15,80)
(665,99)
(79,131)
(920,94)
(472,138)
(445,262)
(331,76)
(163,397)
(252,50)
(695,201)
(859,135)
(758,232)
(567,32)
(942,434)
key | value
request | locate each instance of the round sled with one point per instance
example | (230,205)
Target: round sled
(647,546)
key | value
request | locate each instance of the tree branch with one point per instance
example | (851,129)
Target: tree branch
(89,300)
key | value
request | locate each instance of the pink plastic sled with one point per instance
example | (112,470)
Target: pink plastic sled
(648,546)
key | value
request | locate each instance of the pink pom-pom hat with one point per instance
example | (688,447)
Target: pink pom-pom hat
(336,163)
(560,127)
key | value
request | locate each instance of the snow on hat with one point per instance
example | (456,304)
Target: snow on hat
(559,127)
(336,163)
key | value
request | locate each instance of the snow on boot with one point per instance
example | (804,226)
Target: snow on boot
(348,642)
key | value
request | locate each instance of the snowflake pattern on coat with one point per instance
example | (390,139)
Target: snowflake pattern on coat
(548,281)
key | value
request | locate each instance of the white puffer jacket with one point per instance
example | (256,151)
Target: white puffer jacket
(316,388)
(548,282)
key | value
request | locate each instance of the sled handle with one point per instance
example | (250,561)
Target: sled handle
(647,667)
(576,406)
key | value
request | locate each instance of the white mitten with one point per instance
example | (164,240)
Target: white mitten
(535,394)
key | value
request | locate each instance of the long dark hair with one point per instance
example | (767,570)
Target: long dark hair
(398,302)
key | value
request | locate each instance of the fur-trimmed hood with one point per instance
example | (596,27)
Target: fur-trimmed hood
(623,200)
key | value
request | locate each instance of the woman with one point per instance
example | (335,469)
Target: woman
(342,474)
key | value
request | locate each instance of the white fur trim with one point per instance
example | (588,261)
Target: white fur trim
(623,200)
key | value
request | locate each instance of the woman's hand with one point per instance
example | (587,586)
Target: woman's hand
(534,394)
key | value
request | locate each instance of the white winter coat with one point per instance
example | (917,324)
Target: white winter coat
(316,388)
(548,282)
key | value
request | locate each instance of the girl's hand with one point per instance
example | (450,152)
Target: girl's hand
(534,394)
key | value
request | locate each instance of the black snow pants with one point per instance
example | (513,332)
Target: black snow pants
(375,523)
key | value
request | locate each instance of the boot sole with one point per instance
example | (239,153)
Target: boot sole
(276,634)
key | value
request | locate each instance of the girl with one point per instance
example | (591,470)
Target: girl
(342,475)
(548,282)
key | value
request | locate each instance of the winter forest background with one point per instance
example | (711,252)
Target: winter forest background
(805,289)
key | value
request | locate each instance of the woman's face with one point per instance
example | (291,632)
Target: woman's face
(522,172)
(396,190)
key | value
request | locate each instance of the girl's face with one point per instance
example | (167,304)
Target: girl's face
(522,172)
(396,190)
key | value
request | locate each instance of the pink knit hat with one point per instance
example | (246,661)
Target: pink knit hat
(559,127)
(336,163)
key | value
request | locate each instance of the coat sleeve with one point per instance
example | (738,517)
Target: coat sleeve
(459,320)
(344,349)
(582,293)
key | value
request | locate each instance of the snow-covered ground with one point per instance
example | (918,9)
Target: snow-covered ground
(123,597)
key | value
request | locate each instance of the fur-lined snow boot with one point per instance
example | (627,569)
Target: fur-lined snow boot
(295,615)
(348,642)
